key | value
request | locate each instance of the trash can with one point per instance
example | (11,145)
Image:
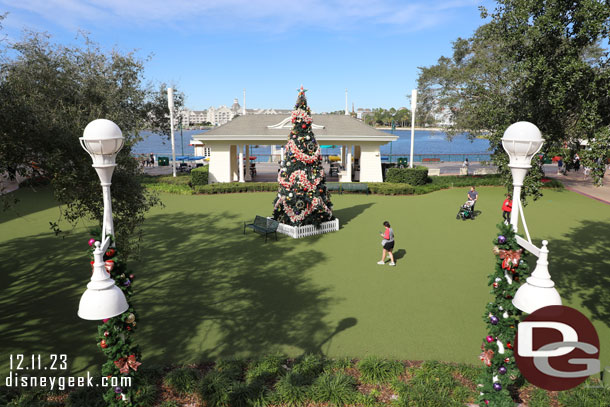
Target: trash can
(163,161)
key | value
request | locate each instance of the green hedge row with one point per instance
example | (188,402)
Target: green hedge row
(387,188)
(412,176)
(199,175)
(223,188)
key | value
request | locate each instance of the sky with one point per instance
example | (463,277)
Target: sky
(212,49)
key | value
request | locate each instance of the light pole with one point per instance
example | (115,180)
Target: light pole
(521,141)
(170,104)
(102,139)
(413,106)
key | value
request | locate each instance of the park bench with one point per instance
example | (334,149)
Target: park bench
(431,160)
(434,172)
(354,186)
(263,226)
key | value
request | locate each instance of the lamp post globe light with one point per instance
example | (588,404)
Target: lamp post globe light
(521,141)
(102,139)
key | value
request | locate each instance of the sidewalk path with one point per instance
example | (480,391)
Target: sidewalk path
(574,181)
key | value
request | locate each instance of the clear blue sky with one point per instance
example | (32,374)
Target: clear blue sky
(213,49)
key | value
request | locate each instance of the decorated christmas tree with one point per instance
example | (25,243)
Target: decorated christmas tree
(501,374)
(302,197)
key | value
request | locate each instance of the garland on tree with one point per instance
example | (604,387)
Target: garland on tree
(501,373)
(114,335)
(302,197)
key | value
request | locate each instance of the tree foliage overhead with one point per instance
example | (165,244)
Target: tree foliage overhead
(48,94)
(535,60)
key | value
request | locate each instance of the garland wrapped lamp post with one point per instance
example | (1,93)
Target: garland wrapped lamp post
(522,140)
(107,295)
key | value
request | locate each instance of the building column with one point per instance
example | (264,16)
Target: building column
(240,147)
(370,163)
(247,172)
(220,163)
(234,175)
(349,162)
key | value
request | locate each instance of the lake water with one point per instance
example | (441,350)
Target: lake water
(427,144)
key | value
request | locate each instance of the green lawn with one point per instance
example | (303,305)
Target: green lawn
(205,291)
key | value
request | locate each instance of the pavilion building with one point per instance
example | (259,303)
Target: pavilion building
(228,145)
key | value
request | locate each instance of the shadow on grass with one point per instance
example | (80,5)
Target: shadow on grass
(581,267)
(26,201)
(345,215)
(206,291)
(399,254)
(41,280)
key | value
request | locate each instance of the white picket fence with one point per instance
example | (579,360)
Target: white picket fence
(297,232)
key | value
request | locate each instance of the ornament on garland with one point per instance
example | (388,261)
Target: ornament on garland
(91,242)
(497,386)
(110,252)
(106,334)
(501,239)
(124,364)
(494,320)
(502,370)
(118,390)
(130,318)
(103,344)
(489,338)
(486,356)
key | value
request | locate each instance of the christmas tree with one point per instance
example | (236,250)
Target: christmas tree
(302,197)
(501,374)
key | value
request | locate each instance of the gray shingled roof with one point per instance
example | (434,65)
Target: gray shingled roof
(334,125)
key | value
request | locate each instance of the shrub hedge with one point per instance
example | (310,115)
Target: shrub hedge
(199,175)
(413,176)
(386,188)
(223,188)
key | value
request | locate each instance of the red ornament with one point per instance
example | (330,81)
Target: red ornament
(495,285)
(106,334)
(110,252)
(103,344)
(131,276)
(508,345)
(507,360)
(129,327)
(304,126)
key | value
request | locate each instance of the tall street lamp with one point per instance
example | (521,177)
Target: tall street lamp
(413,107)
(170,105)
(521,141)
(102,139)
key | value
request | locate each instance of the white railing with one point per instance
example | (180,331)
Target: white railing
(297,232)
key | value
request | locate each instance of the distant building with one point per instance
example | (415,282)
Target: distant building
(221,115)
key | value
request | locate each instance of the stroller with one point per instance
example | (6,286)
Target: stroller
(466,211)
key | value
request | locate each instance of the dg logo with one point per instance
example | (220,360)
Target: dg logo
(557,348)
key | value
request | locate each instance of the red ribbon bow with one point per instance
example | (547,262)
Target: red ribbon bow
(125,363)
(486,356)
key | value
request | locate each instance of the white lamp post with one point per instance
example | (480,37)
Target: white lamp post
(170,104)
(413,107)
(102,139)
(521,141)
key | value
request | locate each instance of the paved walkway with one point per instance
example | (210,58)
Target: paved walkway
(574,181)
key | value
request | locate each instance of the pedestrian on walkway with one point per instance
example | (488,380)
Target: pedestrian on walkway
(576,162)
(152,160)
(387,243)
(507,207)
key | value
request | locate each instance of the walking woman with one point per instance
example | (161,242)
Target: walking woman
(387,243)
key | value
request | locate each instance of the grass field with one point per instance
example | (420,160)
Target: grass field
(205,291)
